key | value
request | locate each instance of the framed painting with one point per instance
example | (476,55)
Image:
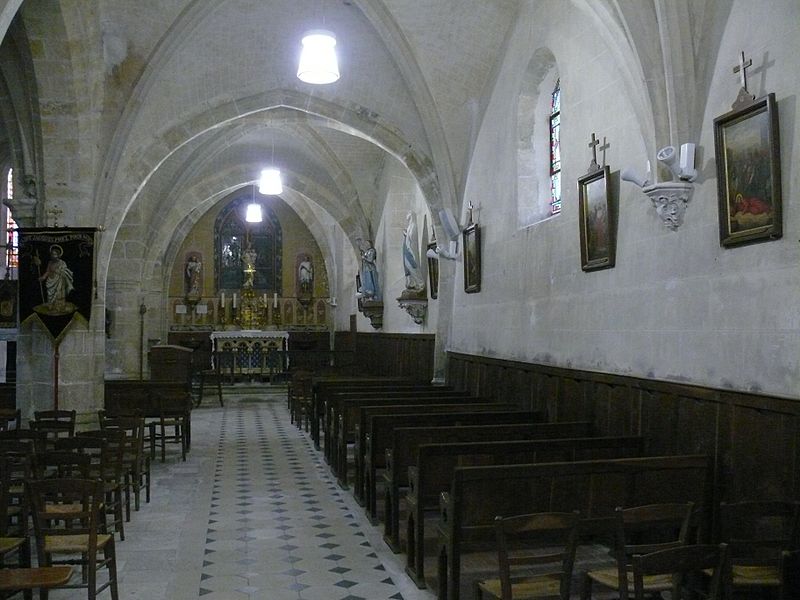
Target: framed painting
(597,224)
(472,258)
(749,174)
(433,272)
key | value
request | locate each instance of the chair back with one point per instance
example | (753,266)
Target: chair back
(5,496)
(28,437)
(757,532)
(647,529)
(534,540)
(133,428)
(10,419)
(113,443)
(680,562)
(62,464)
(54,424)
(78,504)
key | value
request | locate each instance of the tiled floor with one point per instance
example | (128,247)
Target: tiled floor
(253,513)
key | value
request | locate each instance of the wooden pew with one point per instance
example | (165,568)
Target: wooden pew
(479,494)
(380,426)
(349,413)
(323,386)
(328,398)
(436,463)
(333,405)
(403,453)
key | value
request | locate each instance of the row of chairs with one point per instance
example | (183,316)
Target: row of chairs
(82,482)
(653,554)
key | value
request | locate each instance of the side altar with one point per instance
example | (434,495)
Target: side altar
(253,351)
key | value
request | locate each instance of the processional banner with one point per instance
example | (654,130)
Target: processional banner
(56,276)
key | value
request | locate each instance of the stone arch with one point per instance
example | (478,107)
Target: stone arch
(666,52)
(219,141)
(533,138)
(301,108)
(164,240)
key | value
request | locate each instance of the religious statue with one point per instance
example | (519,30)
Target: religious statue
(194,267)
(305,275)
(415,281)
(370,286)
(249,257)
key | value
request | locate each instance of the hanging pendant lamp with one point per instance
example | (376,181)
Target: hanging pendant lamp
(253,214)
(318,62)
(270,183)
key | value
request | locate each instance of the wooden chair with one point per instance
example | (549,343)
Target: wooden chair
(678,565)
(790,575)
(10,418)
(14,540)
(19,464)
(26,579)
(105,450)
(224,362)
(172,425)
(54,424)
(655,527)
(757,534)
(301,398)
(73,537)
(137,461)
(529,541)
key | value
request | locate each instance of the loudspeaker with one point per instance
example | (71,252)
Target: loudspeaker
(629,174)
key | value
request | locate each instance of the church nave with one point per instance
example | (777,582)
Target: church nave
(252,513)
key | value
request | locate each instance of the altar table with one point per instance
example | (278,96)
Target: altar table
(252,349)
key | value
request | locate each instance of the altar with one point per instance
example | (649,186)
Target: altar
(255,352)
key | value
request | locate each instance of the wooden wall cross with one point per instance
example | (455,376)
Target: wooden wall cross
(741,68)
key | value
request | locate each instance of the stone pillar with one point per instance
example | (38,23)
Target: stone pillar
(447,276)
(80,381)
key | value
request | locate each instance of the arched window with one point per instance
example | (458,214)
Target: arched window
(538,149)
(231,236)
(555,150)
(9,228)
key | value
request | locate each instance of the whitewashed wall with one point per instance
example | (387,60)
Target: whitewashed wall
(677,306)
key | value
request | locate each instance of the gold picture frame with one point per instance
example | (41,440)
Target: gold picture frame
(597,221)
(747,146)
(472,258)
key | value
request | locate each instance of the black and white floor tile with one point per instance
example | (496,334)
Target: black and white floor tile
(253,514)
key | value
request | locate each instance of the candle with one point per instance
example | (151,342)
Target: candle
(265,298)
(275,300)
(234,299)
(222,299)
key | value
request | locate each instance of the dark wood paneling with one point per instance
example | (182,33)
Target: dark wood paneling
(754,439)
(395,355)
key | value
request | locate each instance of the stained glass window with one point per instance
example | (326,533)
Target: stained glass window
(230,241)
(555,150)
(12,242)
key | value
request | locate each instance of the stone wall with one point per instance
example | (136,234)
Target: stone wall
(676,306)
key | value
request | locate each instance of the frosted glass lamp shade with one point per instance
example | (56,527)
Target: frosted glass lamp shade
(253,214)
(270,183)
(318,62)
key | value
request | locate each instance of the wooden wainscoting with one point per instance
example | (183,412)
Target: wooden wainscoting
(396,355)
(753,438)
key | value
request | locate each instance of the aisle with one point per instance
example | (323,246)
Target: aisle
(253,513)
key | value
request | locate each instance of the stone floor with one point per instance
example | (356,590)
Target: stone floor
(253,513)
